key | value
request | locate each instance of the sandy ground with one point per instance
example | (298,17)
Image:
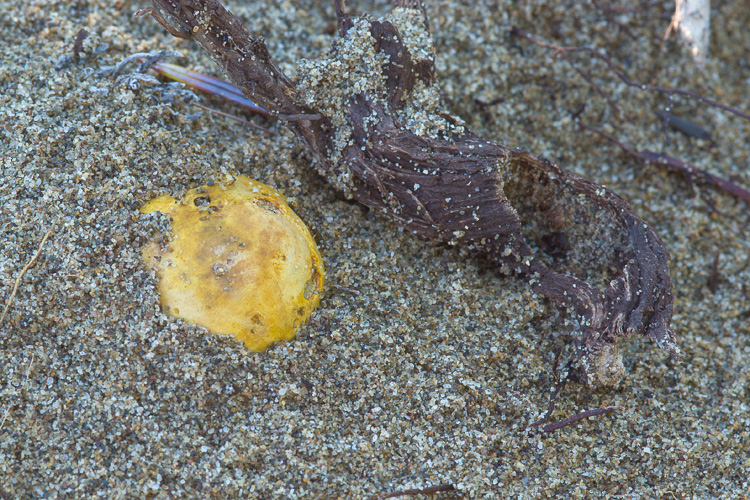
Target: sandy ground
(421,367)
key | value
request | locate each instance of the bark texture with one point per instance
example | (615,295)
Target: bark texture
(356,112)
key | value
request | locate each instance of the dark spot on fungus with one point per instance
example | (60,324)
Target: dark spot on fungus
(202,201)
(269,205)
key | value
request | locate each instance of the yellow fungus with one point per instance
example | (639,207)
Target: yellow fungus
(239,261)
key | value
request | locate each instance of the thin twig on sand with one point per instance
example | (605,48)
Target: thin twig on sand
(564,51)
(23,271)
(689,170)
(579,416)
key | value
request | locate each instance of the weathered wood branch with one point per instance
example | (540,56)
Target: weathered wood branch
(378,134)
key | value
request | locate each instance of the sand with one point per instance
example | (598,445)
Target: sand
(421,367)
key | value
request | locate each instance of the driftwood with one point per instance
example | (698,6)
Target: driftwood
(370,115)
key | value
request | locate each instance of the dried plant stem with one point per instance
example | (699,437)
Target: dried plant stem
(564,51)
(232,117)
(558,387)
(677,165)
(690,171)
(23,271)
(578,417)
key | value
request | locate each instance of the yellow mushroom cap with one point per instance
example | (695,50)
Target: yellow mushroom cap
(239,261)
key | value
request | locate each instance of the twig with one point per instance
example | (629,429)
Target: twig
(23,271)
(579,416)
(418,491)
(232,117)
(559,386)
(78,44)
(299,116)
(564,50)
(175,32)
(564,53)
(687,169)
(586,76)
